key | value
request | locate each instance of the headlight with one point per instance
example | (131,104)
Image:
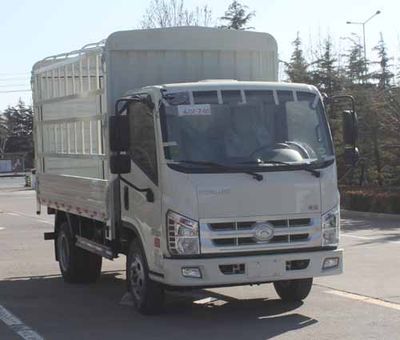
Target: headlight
(331,227)
(183,235)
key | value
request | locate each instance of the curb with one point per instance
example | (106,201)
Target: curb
(362,214)
(12,174)
(15,189)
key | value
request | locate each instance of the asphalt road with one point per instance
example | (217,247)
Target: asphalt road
(363,303)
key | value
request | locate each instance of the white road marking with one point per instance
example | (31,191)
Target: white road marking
(366,299)
(1,228)
(379,238)
(18,326)
(359,237)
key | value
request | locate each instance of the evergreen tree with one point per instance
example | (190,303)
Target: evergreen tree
(383,75)
(391,128)
(297,68)
(377,105)
(378,125)
(397,76)
(3,134)
(18,121)
(237,17)
(326,75)
(356,69)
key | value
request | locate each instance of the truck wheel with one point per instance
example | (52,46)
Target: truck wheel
(77,265)
(293,290)
(147,295)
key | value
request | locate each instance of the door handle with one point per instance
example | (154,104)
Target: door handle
(126,198)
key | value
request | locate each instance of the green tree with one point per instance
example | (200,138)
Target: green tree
(237,16)
(297,68)
(377,105)
(3,134)
(356,69)
(326,75)
(383,75)
(391,128)
(18,122)
(379,118)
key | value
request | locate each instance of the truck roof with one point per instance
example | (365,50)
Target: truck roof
(130,60)
(191,38)
(228,84)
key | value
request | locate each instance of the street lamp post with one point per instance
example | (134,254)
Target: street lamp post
(363,27)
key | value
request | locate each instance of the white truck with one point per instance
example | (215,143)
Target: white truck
(200,183)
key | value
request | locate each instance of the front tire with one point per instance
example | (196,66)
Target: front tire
(293,290)
(147,295)
(77,265)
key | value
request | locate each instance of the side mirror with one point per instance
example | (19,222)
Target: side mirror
(119,133)
(350,127)
(351,155)
(120,164)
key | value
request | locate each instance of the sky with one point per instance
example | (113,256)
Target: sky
(31,30)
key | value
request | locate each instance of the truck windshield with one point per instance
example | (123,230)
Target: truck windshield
(245,127)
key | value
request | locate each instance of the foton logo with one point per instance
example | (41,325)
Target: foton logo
(263,232)
(313,207)
(214,191)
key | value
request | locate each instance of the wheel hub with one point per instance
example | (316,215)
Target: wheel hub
(136,277)
(63,251)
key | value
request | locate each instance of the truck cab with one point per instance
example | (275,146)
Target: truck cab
(243,183)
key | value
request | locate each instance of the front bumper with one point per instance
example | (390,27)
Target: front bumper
(257,269)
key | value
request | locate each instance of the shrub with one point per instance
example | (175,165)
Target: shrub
(372,199)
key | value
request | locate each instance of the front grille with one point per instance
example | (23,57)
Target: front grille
(249,224)
(299,222)
(235,236)
(252,240)
(231,226)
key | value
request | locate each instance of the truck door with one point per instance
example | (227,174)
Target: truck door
(136,208)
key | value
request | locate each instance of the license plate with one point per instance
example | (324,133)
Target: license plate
(265,268)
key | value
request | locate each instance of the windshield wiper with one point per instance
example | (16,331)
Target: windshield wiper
(303,166)
(255,175)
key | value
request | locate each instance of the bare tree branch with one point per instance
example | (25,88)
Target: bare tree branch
(173,13)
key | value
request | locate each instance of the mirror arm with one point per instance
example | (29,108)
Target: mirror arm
(127,100)
(334,99)
(138,99)
(148,191)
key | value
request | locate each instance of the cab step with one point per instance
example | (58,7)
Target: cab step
(94,247)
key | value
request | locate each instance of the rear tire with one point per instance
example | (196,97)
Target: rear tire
(293,290)
(77,265)
(147,295)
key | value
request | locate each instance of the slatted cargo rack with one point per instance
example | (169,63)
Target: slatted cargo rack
(70,115)
(68,91)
